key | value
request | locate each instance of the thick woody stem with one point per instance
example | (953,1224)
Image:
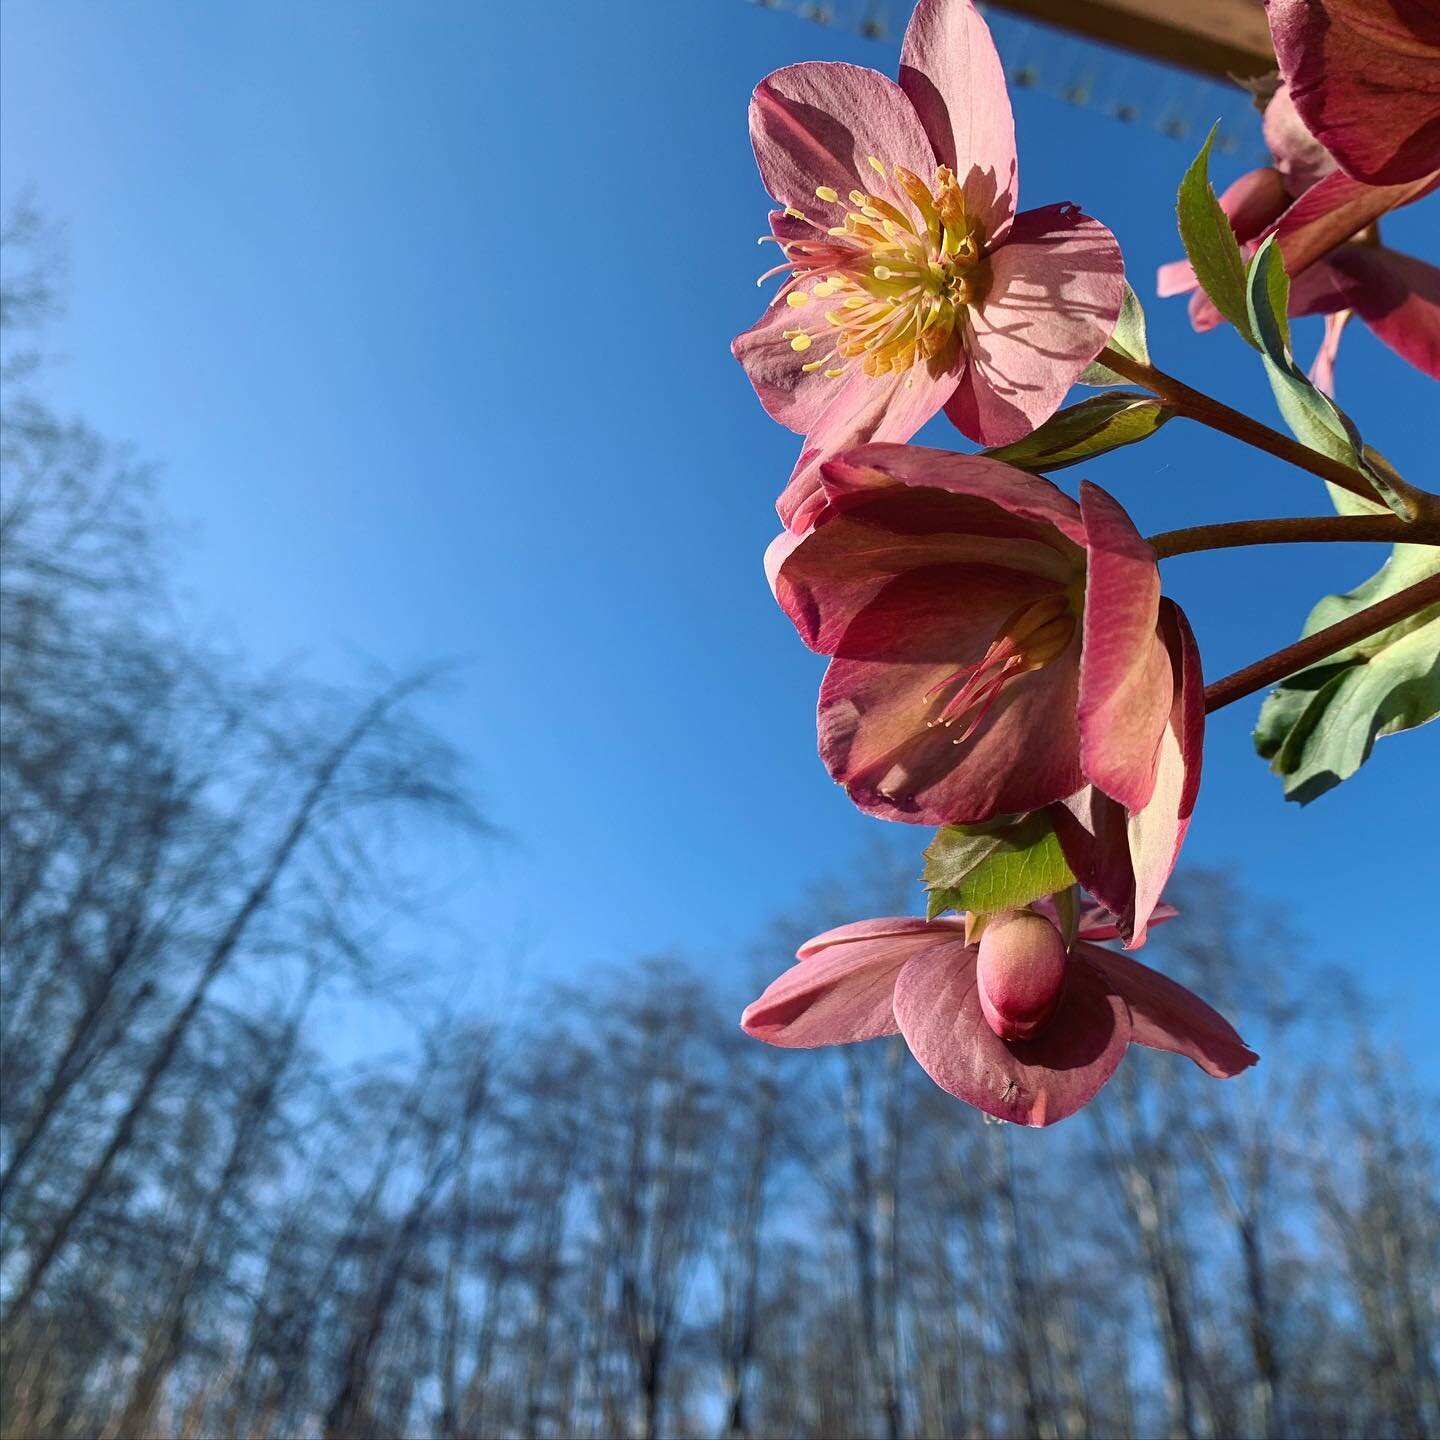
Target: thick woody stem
(1295,530)
(1195,405)
(1323,643)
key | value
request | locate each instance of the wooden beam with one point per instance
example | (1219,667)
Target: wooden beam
(1214,37)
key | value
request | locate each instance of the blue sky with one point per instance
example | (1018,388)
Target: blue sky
(425,308)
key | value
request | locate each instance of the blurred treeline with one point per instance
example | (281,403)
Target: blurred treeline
(610,1214)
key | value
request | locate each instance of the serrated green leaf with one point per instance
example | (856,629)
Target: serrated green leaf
(1128,338)
(1313,417)
(1210,243)
(1001,866)
(1093,427)
(1318,726)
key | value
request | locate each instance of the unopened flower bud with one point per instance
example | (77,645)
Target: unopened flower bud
(1020,971)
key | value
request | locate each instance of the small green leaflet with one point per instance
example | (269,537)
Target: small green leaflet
(1314,419)
(1093,427)
(1317,727)
(1128,338)
(998,866)
(1210,243)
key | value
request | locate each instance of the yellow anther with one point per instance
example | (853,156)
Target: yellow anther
(801,342)
(882,272)
(875,165)
(812,366)
(854,302)
(834,374)
(793,213)
(797,298)
(859,199)
(827,193)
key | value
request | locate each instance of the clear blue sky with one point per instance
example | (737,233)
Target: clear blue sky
(425,308)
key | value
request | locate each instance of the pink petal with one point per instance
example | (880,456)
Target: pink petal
(1203,313)
(1174,277)
(1025,496)
(889,926)
(1254,202)
(817,123)
(1027,1082)
(895,508)
(1299,157)
(841,990)
(1097,923)
(953,76)
(1365,75)
(1125,679)
(1329,213)
(1167,1016)
(1092,832)
(1398,297)
(1322,372)
(863,408)
(1157,832)
(789,395)
(1056,285)
(1125,859)
(877,702)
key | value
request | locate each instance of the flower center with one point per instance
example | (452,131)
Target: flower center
(1029,638)
(897,272)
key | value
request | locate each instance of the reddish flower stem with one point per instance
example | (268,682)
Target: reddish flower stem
(1323,643)
(1294,529)
(1195,405)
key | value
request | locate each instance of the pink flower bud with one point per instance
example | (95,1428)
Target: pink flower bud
(1020,971)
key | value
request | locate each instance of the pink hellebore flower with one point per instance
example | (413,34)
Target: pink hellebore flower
(1015,1025)
(911,284)
(1325,224)
(1365,75)
(998,648)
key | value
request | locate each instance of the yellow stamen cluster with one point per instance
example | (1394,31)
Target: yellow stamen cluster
(898,273)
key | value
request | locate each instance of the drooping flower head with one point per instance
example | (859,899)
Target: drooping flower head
(1325,223)
(1017,1025)
(910,282)
(997,648)
(1365,76)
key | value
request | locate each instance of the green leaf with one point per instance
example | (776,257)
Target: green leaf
(1210,243)
(1093,427)
(1313,417)
(1128,338)
(1318,727)
(998,866)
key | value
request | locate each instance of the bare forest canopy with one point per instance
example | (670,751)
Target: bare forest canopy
(617,1216)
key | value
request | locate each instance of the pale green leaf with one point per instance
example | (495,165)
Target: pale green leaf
(1093,427)
(1128,338)
(1000,866)
(1318,726)
(1210,243)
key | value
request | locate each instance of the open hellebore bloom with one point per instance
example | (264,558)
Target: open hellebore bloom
(998,648)
(1016,1025)
(1365,75)
(911,283)
(1326,226)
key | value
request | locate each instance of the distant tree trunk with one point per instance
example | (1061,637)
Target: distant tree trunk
(168,1339)
(215,963)
(741,1300)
